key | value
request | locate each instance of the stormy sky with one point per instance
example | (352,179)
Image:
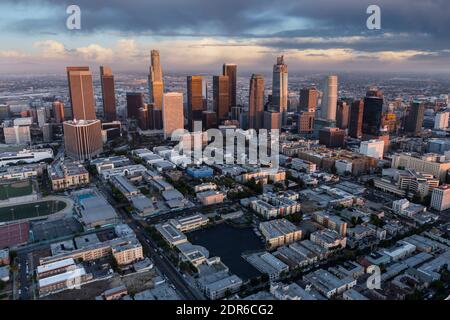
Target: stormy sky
(199,35)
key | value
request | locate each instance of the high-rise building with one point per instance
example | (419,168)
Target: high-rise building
(195,99)
(83,139)
(342,114)
(58,111)
(372,113)
(308,99)
(108,93)
(272,120)
(145,120)
(356,119)
(17,135)
(221,97)
(173,117)
(135,101)
(305,122)
(332,137)
(230,70)
(280,86)
(41,117)
(5,111)
(441,120)
(81,93)
(414,120)
(256,102)
(329,99)
(155,80)
(440,198)
(209,120)
(372,148)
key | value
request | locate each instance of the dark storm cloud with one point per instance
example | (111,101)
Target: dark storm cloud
(414,24)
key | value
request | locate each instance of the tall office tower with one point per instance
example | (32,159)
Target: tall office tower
(305,122)
(155,81)
(81,93)
(58,111)
(280,86)
(332,137)
(236,113)
(415,117)
(17,135)
(308,99)
(372,114)
(108,93)
(256,102)
(5,111)
(342,115)
(209,120)
(195,97)
(356,119)
(372,148)
(221,97)
(41,117)
(329,99)
(83,139)
(230,70)
(441,120)
(135,101)
(172,113)
(272,120)
(145,121)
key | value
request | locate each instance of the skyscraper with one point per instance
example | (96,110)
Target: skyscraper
(280,86)
(415,118)
(308,99)
(221,97)
(155,80)
(372,114)
(256,102)
(329,99)
(108,93)
(356,119)
(83,139)
(172,113)
(81,93)
(58,111)
(342,114)
(135,101)
(230,70)
(305,122)
(332,137)
(195,99)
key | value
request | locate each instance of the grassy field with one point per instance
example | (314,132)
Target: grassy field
(30,210)
(15,189)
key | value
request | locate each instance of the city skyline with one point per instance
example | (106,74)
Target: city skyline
(251,34)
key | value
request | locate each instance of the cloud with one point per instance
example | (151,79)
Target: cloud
(51,48)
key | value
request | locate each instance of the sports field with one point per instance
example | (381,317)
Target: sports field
(30,210)
(15,189)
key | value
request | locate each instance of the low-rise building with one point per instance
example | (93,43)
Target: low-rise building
(279,232)
(329,284)
(210,197)
(127,253)
(440,198)
(190,223)
(268,264)
(328,239)
(67,174)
